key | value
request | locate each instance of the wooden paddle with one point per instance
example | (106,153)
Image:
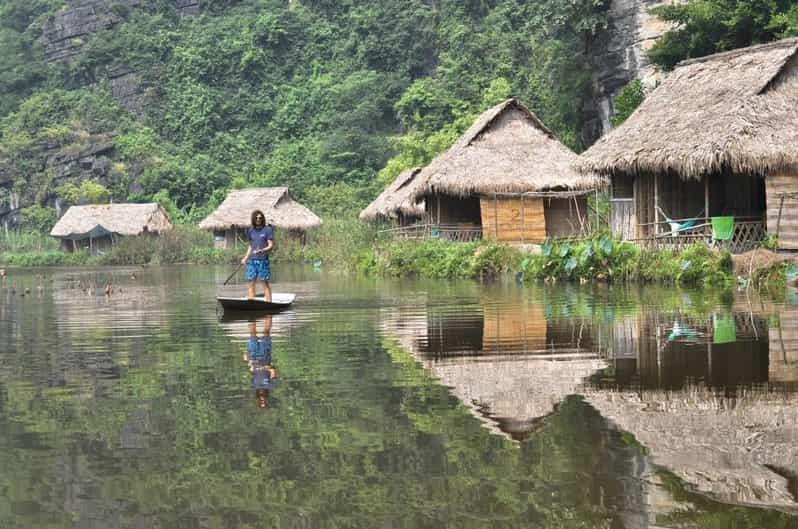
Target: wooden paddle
(231,275)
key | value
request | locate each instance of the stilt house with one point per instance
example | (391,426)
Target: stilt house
(711,154)
(508,179)
(95,227)
(233,216)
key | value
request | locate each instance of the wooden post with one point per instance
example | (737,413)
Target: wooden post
(522,218)
(598,220)
(656,204)
(706,199)
(496,215)
(778,219)
(438,199)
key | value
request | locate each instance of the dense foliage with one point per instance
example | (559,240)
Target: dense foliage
(311,94)
(703,27)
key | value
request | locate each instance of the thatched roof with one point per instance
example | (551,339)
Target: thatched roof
(276,203)
(396,199)
(122,219)
(506,150)
(736,110)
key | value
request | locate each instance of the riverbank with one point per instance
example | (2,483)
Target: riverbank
(337,244)
(596,259)
(354,247)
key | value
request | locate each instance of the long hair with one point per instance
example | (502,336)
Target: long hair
(255,214)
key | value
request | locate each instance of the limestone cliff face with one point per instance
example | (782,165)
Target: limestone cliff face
(63,37)
(617,57)
(65,33)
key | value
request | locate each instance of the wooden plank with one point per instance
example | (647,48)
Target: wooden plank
(501,219)
(775,186)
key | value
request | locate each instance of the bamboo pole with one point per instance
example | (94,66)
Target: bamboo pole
(523,224)
(496,216)
(778,219)
(656,204)
(706,199)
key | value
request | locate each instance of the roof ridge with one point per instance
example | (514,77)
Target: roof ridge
(782,43)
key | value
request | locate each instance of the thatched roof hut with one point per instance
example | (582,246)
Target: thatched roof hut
(395,202)
(507,178)
(507,150)
(95,221)
(280,209)
(729,116)
(734,110)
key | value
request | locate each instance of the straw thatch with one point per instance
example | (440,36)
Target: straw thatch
(276,203)
(733,111)
(119,219)
(395,200)
(506,150)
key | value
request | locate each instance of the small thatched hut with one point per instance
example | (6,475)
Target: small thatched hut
(507,178)
(232,217)
(718,139)
(94,227)
(394,204)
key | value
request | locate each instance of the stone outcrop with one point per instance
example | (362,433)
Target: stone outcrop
(65,33)
(617,56)
(126,88)
(92,162)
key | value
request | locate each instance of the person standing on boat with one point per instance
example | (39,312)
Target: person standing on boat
(261,242)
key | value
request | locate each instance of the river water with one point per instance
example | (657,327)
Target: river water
(392,404)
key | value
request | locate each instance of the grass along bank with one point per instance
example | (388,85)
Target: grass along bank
(336,244)
(600,258)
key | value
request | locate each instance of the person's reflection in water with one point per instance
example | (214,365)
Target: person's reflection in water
(259,358)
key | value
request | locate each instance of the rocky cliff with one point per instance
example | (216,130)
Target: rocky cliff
(617,57)
(64,34)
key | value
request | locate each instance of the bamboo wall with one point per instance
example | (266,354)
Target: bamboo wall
(788,227)
(563,217)
(513,219)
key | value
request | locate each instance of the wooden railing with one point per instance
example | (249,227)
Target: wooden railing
(748,233)
(449,232)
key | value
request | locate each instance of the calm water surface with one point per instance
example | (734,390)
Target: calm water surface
(392,404)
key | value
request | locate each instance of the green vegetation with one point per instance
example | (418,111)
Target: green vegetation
(310,94)
(338,244)
(604,259)
(704,27)
(627,101)
(440,259)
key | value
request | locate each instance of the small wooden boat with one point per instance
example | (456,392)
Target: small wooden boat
(278,302)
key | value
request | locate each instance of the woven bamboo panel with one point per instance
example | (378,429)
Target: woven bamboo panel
(519,329)
(513,220)
(788,226)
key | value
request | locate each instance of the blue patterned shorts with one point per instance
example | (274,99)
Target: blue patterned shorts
(258,269)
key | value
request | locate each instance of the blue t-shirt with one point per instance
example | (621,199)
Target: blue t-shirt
(259,239)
